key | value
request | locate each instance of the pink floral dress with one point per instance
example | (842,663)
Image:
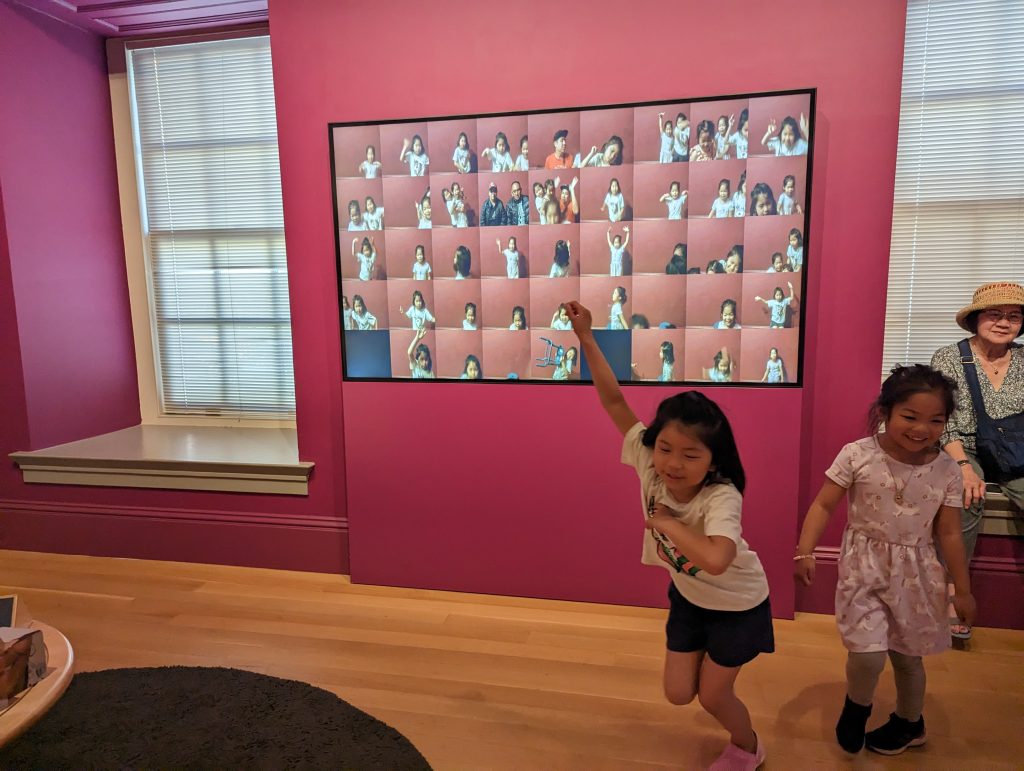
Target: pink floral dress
(891,592)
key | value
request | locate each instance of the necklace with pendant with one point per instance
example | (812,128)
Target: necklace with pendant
(897,490)
(990,362)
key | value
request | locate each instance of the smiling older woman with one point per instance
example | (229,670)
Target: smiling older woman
(994,318)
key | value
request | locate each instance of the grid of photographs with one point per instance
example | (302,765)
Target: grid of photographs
(680,225)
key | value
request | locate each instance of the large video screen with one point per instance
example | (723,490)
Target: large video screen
(681,225)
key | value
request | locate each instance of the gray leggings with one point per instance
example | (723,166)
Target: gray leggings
(970,519)
(863,670)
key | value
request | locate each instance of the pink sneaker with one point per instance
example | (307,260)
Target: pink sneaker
(735,759)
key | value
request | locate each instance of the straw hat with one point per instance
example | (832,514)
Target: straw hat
(989,296)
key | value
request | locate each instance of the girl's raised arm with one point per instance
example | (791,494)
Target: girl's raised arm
(416,337)
(589,156)
(607,386)
(405,149)
(625,243)
(354,242)
(608,236)
(772,126)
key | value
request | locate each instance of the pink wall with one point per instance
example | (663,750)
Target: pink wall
(496,519)
(503,498)
(67,367)
(66,256)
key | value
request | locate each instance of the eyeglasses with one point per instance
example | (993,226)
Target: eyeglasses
(1014,317)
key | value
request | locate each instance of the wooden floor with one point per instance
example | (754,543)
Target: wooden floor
(482,682)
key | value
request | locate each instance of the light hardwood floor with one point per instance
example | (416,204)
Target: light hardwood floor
(484,682)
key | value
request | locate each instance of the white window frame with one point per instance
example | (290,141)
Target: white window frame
(958,212)
(137,261)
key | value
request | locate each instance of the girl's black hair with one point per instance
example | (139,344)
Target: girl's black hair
(561,257)
(615,140)
(639,320)
(463,260)
(422,348)
(715,267)
(905,381)
(669,352)
(522,314)
(706,419)
(677,263)
(762,188)
(479,369)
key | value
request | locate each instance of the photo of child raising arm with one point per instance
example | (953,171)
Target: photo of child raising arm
(691,487)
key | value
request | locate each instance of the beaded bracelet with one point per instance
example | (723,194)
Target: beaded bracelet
(799,557)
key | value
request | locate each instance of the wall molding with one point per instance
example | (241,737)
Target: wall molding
(339,524)
(248,538)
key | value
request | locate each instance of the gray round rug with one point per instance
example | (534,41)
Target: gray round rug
(197,717)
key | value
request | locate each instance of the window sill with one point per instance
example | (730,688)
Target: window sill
(242,460)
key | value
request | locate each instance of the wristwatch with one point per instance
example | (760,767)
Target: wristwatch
(963,462)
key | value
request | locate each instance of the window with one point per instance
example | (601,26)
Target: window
(205,139)
(958,213)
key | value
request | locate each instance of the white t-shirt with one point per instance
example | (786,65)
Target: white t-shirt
(559,324)
(722,208)
(424,224)
(616,262)
(615,317)
(715,511)
(722,144)
(500,161)
(740,142)
(665,150)
(365,321)
(778,308)
(417,164)
(521,163)
(370,170)
(511,262)
(615,204)
(557,271)
(468,326)
(739,204)
(461,157)
(681,141)
(799,147)
(675,207)
(796,257)
(366,265)
(721,325)
(374,221)
(347,319)
(357,226)
(421,270)
(419,316)
(785,204)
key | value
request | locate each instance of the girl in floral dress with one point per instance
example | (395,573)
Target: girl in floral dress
(904,493)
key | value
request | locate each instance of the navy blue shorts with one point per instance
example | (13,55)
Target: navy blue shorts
(730,637)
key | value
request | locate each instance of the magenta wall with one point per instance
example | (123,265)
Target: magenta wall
(500,489)
(67,367)
(518,489)
(66,255)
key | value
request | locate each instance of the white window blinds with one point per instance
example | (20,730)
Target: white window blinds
(958,214)
(210,189)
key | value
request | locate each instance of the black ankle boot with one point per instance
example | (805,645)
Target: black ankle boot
(897,735)
(851,725)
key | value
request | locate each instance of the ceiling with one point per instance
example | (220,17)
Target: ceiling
(124,18)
